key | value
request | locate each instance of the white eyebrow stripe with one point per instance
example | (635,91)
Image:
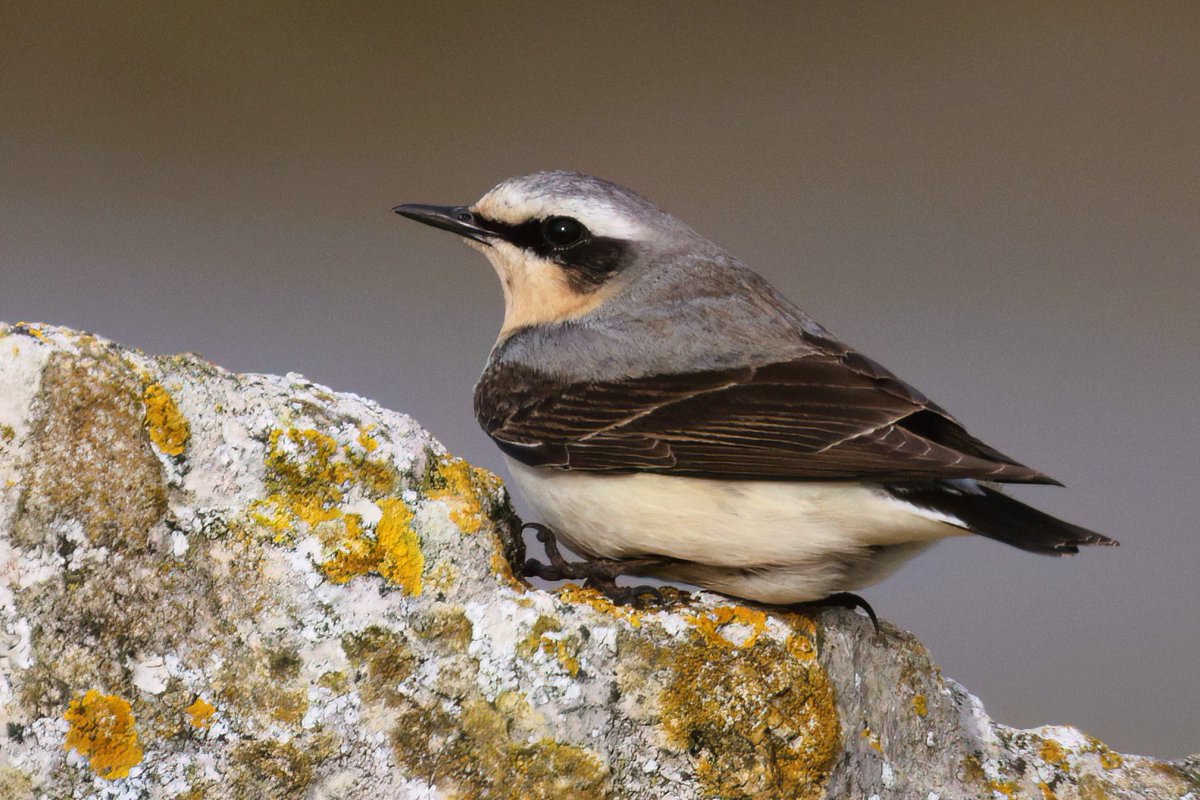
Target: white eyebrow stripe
(509,205)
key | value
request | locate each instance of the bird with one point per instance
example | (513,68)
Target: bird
(667,413)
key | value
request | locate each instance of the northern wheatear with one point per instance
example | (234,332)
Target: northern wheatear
(667,412)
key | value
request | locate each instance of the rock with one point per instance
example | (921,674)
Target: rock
(249,586)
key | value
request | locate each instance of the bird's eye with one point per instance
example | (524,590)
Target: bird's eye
(562,231)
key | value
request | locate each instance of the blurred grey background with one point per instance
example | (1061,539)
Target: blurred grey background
(999,202)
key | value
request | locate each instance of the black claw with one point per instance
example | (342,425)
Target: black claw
(634,595)
(852,601)
(844,600)
(539,570)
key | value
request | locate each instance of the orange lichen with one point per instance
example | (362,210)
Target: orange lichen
(543,639)
(33,330)
(165,424)
(1047,792)
(306,478)
(804,626)
(102,728)
(715,623)
(1006,788)
(309,476)
(392,552)
(502,569)
(920,705)
(355,551)
(1108,759)
(200,713)
(801,647)
(401,560)
(1052,752)
(368,442)
(756,720)
(275,518)
(465,488)
(598,601)
(872,739)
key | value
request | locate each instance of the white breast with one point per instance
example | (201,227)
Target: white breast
(803,529)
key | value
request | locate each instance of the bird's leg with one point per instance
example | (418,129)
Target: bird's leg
(841,600)
(558,568)
(597,573)
(592,569)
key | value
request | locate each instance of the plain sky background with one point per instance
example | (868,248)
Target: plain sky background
(999,202)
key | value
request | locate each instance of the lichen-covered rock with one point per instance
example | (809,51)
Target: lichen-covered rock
(247,586)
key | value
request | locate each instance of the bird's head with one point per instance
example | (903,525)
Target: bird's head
(561,242)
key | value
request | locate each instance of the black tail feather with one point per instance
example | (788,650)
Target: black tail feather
(991,513)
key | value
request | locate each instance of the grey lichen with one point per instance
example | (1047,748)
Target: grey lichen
(229,586)
(91,415)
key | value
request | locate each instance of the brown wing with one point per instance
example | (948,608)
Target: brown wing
(825,416)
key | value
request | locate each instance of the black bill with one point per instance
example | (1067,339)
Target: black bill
(456,219)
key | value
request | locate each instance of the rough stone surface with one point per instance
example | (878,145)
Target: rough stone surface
(248,586)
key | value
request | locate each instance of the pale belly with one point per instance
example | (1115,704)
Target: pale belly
(771,541)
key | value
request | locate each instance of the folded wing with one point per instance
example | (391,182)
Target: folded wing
(829,415)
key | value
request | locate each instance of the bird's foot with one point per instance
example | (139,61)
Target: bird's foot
(841,600)
(640,596)
(596,573)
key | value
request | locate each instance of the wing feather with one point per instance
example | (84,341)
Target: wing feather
(829,415)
